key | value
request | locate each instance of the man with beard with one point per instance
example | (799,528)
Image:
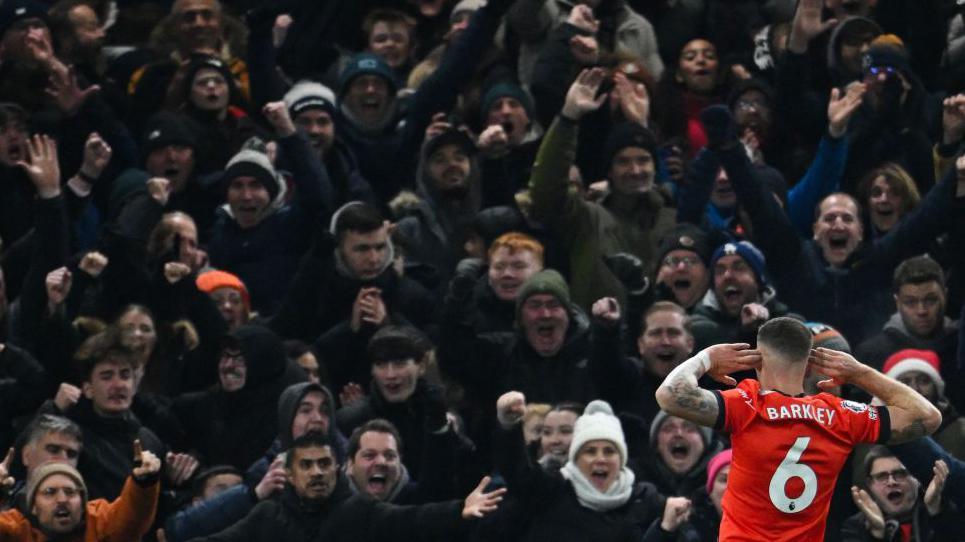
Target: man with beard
(893,508)
(742,298)
(631,218)
(680,452)
(57,505)
(79,35)
(629,383)
(302,408)
(920,295)
(318,504)
(450,194)
(312,107)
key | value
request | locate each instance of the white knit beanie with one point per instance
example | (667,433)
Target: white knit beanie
(307,94)
(598,423)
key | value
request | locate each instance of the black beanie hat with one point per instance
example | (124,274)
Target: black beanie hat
(168,128)
(628,134)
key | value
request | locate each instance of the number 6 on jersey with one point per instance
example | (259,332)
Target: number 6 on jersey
(790,468)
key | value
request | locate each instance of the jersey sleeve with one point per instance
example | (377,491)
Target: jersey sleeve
(736,407)
(864,423)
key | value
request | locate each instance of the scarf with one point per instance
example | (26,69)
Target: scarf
(589,496)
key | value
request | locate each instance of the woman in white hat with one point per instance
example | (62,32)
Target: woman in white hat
(595,499)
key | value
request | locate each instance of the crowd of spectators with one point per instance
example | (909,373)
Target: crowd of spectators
(414,269)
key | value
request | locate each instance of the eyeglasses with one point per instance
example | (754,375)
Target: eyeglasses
(747,105)
(875,70)
(674,261)
(69,492)
(900,475)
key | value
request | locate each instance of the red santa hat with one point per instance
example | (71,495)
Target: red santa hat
(909,359)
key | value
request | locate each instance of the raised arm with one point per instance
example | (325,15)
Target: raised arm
(679,394)
(912,416)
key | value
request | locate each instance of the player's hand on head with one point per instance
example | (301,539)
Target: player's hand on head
(731,358)
(841,367)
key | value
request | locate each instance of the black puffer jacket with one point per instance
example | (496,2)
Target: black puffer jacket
(236,428)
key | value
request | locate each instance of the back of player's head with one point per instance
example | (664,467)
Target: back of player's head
(786,337)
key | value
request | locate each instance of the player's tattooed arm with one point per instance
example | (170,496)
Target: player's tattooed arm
(680,396)
(916,429)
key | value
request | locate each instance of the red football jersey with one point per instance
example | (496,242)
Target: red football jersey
(788,452)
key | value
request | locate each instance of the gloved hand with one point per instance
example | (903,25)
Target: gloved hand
(628,269)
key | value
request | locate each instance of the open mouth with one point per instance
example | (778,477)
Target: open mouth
(838,241)
(393,388)
(545,331)
(171,172)
(378,483)
(117,397)
(681,284)
(666,357)
(732,294)
(679,451)
(15,152)
(599,476)
(884,211)
(895,497)
(62,513)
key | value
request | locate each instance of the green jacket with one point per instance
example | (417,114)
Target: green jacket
(592,230)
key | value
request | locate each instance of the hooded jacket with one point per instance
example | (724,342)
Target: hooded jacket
(434,223)
(235,428)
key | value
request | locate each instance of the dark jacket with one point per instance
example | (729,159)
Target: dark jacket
(945,527)
(342,516)
(434,225)
(265,256)
(711,325)
(895,336)
(388,158)
(321,294)
(236,428)
(226,508)
(108,455)
(22,388)
(417,419)
(552,511)
(489,365)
